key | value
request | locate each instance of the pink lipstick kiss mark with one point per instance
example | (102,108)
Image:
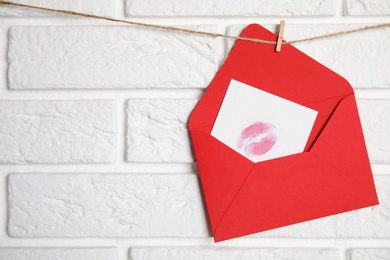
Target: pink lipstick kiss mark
(257,139)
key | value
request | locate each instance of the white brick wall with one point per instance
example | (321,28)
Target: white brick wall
(95,158)
(108,58)
(59,253)
(157,130)
(222,8)
(57,131)
(99,7)
(105,205)
(369,254)
(374,7)
(233,253)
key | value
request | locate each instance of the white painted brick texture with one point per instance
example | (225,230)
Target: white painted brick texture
(105,205)
(58,253)
(98,7)
(375,116)
(371,7)
(109,57)
(370,254)
(229,8)
(157,130)
(232,254)
(74,131)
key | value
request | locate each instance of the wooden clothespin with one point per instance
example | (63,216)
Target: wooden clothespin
(280,36)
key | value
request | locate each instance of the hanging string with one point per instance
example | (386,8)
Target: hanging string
(184,30)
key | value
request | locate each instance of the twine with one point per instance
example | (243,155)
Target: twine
(184,30)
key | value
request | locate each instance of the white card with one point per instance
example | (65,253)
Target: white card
(262,126)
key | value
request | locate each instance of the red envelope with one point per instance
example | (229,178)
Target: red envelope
(331,176)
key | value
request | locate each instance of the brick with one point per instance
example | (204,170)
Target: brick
(105,205)
(32,253)
(361,57)
(80,131)
(369,254)
(109,57)
(364,7)
(221,8)
(222,253)
(372,222)
(157,130)
(375,117)
(98,7)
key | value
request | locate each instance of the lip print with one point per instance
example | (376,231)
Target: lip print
(257,139)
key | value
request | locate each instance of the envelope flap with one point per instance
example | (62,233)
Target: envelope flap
(289,74)
(325,110)
(344,132)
